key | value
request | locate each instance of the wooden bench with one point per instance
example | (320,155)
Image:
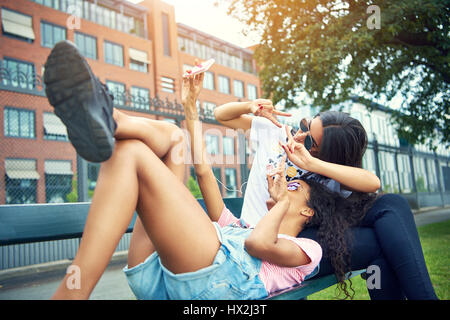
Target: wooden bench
(46,222)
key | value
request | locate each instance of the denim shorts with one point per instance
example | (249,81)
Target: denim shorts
(232,275)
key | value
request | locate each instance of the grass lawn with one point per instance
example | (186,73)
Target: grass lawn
(435,240)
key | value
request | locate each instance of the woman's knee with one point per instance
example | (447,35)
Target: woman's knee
(388,204)
(394,201)
(129,149)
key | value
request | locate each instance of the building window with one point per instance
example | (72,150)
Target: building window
(20,181)
(87,45)
(252,92)
(138,60)
(17,25)
(212,144)
(248,66)
(21,73)
(218,175)
(228,146)
(99,14)
(208,109)
(19,123)
(118,90)
(224,84)
(54,129)
(208,81)
(51,34)
(138,66)
(58,180)
(238,87)
(168,84)
(113,53)
(166,34)
(140,98)
(230,181)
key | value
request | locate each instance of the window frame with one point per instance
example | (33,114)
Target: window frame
(146,106)
(235,82)
(31,77)
(222,77)
(207,144)
(19,110)
(117,99)
(53,27)
(106,57)
(225,146)
(85,37)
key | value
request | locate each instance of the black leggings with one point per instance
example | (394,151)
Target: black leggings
(387,238)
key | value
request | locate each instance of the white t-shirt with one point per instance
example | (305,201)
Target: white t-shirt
(264,138)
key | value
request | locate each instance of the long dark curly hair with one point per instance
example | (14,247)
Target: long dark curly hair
(334,215)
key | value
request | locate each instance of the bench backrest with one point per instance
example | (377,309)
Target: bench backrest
(44,222)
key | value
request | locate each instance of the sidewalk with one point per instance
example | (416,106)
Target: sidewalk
(40,282)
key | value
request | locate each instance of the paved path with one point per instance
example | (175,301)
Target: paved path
(38,284)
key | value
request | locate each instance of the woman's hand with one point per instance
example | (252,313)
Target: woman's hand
(296,151)
(264,108)
(189,93)
(277,184)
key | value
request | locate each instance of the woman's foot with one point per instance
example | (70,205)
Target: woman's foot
(81,101)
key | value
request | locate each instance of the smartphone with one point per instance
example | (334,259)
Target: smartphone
(202,67)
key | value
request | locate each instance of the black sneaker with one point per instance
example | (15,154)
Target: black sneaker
(81,101)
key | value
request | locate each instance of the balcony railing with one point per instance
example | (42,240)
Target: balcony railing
(32,84)
(17,81)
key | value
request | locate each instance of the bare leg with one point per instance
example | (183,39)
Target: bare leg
(135,176)
(160,136)
(154,134)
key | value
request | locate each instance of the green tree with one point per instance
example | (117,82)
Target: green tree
(334,51)
(194,188)
(73,195)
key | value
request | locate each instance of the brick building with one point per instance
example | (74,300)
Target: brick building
(140,52)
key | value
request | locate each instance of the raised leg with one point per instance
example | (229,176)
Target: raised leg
(178,227)
(155,135)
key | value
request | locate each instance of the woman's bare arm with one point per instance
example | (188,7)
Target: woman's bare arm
(205,176)
(263,242)
(239,115)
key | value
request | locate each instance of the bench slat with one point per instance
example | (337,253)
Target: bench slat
(57,221)
(310,286)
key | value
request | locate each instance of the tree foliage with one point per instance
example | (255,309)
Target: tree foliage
(330,51)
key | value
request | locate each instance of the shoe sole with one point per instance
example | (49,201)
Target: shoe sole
(72,94)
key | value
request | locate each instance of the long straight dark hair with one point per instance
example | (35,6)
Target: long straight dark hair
(344,139)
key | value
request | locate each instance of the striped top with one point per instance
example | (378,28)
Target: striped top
(274,277)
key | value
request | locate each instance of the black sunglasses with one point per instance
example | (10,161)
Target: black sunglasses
(309,140)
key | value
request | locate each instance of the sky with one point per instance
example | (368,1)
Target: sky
(204,16)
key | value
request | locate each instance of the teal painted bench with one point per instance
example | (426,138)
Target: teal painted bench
(46,222)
